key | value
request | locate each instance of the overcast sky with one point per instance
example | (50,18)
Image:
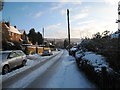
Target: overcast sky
(86,16)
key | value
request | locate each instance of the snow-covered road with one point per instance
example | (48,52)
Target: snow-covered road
(62,74)
(15,77)
(59,71)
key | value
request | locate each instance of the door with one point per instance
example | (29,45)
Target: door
(12,59)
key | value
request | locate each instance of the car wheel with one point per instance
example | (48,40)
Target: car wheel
(23,63)
(5,69)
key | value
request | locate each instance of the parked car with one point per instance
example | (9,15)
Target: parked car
(47,53)
(12,59)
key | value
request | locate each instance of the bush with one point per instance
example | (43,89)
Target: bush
(109,48)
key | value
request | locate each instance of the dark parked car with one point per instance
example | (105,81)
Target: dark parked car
(12,59)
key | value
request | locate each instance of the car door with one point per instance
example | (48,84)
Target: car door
(19,58)
(12,59)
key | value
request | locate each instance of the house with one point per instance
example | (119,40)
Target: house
(10,33)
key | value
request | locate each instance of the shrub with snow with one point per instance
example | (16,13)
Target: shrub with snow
(97,61)
(79,54)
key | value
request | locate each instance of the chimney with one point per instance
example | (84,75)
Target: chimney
(7,23)
(15,27)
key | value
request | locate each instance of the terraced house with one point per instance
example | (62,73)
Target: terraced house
(11,33)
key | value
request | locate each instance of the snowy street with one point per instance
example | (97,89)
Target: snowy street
(58,72)
(66,44)
(63,74)
(33,63)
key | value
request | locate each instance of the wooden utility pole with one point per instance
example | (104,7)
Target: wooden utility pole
(43,39)
(68,30)
(43,35)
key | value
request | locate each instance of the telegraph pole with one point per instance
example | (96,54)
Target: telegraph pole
(43,35)
(43,38)
(68,30)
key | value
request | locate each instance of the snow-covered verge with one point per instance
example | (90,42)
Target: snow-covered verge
(95,60)
(31,62)
(98,70)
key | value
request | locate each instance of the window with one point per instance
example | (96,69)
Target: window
(4,56)
(16,36)
(12,55)
(10,33)
(20,53)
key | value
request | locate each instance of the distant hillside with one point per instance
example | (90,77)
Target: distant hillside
(73,40)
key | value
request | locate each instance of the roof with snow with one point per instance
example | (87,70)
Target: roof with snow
(21,31)
(14,30)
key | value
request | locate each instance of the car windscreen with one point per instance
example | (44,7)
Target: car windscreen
(4,56)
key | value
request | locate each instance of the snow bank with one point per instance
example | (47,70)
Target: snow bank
(73,49)
(97,61)
(86,53)
(78,54)
(93,58)
(33,56)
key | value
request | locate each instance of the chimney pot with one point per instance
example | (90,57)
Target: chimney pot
(7,23)
(15,27)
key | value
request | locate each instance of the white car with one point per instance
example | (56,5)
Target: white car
(12,59)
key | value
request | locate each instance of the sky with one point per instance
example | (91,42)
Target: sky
(87,17)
